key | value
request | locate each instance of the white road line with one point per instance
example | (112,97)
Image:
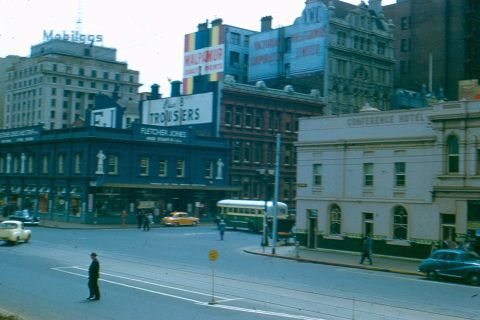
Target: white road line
(217,305)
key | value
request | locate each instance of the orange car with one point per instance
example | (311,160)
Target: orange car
(180,219)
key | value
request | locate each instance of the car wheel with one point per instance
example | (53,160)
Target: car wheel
(175,224)
(432,274)
(474,279)
(28,238)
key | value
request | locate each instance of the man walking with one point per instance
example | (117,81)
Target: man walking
(93,275)
(367,249)
(221,226)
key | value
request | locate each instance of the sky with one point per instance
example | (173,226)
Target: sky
(148,34)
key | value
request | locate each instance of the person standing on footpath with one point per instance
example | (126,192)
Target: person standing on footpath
(146,222)
(221,226)
(124,218)
(93,275)
(367,249)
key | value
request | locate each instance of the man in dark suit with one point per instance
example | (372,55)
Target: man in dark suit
(93,275)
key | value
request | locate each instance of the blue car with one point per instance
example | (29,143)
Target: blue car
(453,264)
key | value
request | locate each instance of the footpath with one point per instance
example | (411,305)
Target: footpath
(298,253)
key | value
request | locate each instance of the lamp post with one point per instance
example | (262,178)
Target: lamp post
(265,175)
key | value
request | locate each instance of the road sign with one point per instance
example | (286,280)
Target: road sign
(212,255)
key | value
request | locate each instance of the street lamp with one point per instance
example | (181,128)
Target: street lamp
(265,175)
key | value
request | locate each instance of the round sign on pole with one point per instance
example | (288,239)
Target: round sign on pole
(212,255)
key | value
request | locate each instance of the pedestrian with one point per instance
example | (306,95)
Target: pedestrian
(139,219)
(366,249)
(146,222)
(124,218)
(93,275)
(221,226)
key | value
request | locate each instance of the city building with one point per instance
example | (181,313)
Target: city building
(57,83)
(436,44)
(91,174)
(344,51)
(248,117)
(409,178)
(211,53)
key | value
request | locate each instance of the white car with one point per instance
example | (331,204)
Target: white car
(13,231)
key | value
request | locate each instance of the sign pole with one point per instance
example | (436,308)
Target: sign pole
(212,256)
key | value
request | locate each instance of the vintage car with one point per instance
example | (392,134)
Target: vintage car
(180,219)
(13,231)
(454,264)
(25,217)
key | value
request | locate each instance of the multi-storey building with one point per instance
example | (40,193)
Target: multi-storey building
(409,178)
(436,44)
(57,84)
(91,174)
(5,63)
(344,51)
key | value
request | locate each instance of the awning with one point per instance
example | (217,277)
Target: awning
(172,186)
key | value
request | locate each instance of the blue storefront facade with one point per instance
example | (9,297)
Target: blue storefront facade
(91,174)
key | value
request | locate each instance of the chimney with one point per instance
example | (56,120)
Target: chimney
(217,22)
(203,26)
(154,91)
(266,23)
(175,88)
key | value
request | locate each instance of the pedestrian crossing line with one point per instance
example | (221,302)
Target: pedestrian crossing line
(197,302)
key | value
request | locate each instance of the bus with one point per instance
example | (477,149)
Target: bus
(248,214)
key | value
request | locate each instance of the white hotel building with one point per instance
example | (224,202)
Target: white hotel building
(408,178)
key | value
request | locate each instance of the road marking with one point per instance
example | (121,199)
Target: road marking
(202,303)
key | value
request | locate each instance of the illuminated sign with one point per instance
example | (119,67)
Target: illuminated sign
(178,111)
(104,117)
(204,61)
(73,36)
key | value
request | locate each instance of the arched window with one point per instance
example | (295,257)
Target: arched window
(400,223)
(453,157)
(335,215)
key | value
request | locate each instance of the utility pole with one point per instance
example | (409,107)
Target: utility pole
(275,196)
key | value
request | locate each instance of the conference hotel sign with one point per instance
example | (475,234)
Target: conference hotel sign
(73,36)
(178,111)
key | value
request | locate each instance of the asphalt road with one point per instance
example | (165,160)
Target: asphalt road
(166,274)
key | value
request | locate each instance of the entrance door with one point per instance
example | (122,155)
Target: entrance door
(368,223)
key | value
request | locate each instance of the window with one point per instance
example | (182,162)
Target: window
(234,58)
(368,174)
(341,67)
(112,165)
(30,164)
(478,161)
(404,66)
(93,73)
(236,151)
(247,152)
(208,169)
(45,164)
(341,38)
(248,117)
(400,223)
(404,45)
(180,172)
(228,115)
(144,162)
(61,164)
(288,44)
(335,217)
(259,119)
(317,175)
(81,71)
(238,117)
(162,167)
(405,23)
(235,38)
(78,163)
(257,152)
(453,157)
(381,48)
(400,174)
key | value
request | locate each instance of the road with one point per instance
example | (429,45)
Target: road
(166,274)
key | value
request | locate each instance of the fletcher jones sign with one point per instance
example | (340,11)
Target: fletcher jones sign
(178,111)
(19,135)
(155,134)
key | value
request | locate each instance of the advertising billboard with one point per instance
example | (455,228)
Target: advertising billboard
(104,117)
(204,61)
(178,111)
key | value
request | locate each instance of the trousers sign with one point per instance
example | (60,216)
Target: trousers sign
(73,36)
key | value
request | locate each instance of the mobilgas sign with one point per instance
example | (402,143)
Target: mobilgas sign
(178,111)
(73,36)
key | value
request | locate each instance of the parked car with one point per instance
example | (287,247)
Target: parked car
(452,263)
(180,219)
(13,231)
(25,217)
